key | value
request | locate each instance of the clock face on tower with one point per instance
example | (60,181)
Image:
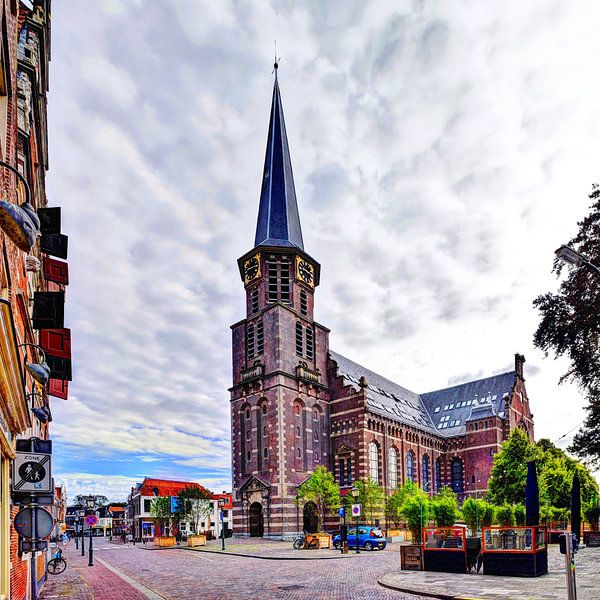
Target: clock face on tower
(252,268)
(305,271)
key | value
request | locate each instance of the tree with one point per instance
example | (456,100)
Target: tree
(520,514)
(508,477)
(570,326)
(321,489)
(160,509)
(195,505)
(415,511)
(505,515)
(591,512)
(476,514)
(393,508)
(81,500)
(444,509)
(372,498)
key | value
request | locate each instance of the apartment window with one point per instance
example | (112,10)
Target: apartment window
(491,452)
(303,302)
(260,338)
(254,300)
(278,269)
(349,480)
(316,435)
(250,341)
(147,505)
(342,473)
(316,457)
(297,431)
(264,431)
(299,339)
(298,453)
(309,343)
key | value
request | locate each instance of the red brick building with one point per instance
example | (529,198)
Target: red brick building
(296,404)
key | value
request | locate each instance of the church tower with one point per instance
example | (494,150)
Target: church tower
(279,400)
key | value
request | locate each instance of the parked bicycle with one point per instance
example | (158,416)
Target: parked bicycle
(300,542)
(58,564)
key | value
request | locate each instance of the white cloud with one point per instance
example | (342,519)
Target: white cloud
(440,154)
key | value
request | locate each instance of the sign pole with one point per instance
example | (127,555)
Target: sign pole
(33,562)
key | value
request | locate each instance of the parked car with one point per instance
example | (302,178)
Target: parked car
(369,538)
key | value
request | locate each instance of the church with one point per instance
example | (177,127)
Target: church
(296,404)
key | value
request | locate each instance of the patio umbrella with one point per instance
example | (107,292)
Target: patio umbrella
(532,496)
(576,508)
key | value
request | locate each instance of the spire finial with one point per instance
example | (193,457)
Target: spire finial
(276,63)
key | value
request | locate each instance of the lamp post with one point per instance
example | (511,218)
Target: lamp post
(82,515)
(76,533)
(572,257)
(222,502)
(90,502)
(355,494)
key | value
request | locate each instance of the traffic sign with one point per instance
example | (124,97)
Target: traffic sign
(341,511)
(356,510)
(27,517)
(91,520)
(32,472)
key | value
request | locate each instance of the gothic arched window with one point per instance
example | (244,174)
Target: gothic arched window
(425,472)
(410,466)
(374,462)
(393,467)
(456,470)
(438,475)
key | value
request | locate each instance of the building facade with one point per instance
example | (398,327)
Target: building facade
(296,404)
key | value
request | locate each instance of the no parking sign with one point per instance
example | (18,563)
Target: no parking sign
(356,510)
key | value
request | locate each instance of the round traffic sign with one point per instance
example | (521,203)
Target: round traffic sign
(91,520)
(27,517)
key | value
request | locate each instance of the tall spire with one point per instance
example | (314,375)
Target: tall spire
(278,220)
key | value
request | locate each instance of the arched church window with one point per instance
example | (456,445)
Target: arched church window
(260,338)
(254,300)
(248,456)
(250,341)
(297,408)
(438,475)
(298,453)
(266,453)
(456,471)
(297,431)
(316,457)
(393,467)
(247,413)
(299,339)
(309,343)
(264,408)
(264,431)
(425,472)
(374,462)
(303,303)
(410,466)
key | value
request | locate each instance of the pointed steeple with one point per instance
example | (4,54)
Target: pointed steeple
(278,220)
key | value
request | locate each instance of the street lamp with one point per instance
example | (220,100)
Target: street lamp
(91,503)
(82,515)
(355,494)
(572,257)
(76,533)
(222,502)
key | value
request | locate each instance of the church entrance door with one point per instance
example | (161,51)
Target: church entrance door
(311,521)
(256,520)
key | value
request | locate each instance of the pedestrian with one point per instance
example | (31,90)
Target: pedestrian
(64,539)
(129,537)
(123,537)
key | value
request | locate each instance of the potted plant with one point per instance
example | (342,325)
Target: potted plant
(322,490)
(591,512)
(195,506)
(160,509)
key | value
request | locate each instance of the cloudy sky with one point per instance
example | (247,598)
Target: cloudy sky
(441,152)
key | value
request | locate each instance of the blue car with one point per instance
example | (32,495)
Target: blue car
(369,538)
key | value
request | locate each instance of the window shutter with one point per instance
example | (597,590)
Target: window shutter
(60,368)
(55,244)
(49,310)
(56,270)
(49,219)
(59,388)
(56,342)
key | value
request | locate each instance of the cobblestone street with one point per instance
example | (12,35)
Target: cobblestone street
(177,573)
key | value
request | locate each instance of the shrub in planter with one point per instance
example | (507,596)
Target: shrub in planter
(415,510)
(445,510)
(520,514)
(591,512)
(505,515)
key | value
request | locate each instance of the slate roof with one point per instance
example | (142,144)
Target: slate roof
(278,220)
(443,412)
(384,397)
(165,487)
(454,405)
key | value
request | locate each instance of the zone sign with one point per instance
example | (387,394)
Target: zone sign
(32,472)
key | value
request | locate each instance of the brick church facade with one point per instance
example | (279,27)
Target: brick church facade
(296,404)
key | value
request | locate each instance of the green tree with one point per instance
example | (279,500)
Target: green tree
(505,515)
(520,514)
(415,511)
(570,327)
(195,505)
(508,478)
(444,510)
(321,489)
(476,514)
(591,512)
(487,513)
(160,509)
(371,496)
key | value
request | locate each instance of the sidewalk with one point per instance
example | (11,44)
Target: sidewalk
(80,582)
(451,586)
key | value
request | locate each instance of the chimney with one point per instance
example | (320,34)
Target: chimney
(519,362)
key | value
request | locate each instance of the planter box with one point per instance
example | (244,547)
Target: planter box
(318,541)
(591,539)
(165,541)
(411,557)
(196,540)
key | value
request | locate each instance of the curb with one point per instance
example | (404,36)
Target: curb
(407,590)
(262,557)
